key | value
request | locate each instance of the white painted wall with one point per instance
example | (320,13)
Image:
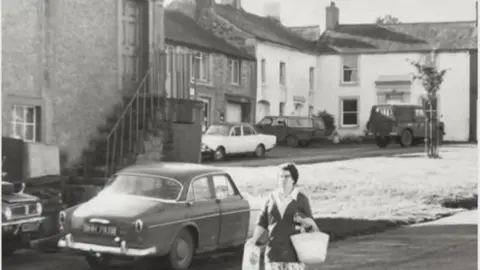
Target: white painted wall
(297,81)
(454,94)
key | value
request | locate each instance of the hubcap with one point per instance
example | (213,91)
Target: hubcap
(182,250)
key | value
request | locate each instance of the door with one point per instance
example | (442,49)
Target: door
(206,113)
(131,44)
(263,110)
(234,113)
(234,141)
(250,139)
(234,211)
(205,211)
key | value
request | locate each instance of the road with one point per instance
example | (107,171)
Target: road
(433,246)
(316,154)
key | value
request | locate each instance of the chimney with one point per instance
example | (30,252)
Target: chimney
(272,10)
(332,17)
(234,3)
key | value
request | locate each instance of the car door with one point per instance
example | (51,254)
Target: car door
(235,143)
(280,128)
(250,138)
(419,123)
(234,211)
(204,210)
(319,131)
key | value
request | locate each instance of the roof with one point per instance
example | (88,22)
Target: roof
(264,28)
(309,32)
(183,172)
(181,29)
(403,37)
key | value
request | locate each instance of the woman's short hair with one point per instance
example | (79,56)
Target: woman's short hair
(292,169)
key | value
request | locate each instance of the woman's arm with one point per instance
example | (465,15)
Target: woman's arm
(308,221)
(262,224)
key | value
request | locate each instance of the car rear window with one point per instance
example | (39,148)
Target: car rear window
(147,186)
(300,122)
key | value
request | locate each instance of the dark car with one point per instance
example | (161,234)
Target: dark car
(162,212)
(401,123)
(21,218)
(294,130)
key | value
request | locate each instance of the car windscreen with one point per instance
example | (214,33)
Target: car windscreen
(141,185)
(218,130)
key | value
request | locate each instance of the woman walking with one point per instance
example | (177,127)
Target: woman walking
(285,213)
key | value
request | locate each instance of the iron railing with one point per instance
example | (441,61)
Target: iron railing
(147,107)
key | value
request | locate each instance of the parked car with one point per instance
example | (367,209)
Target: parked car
(21,218)
(294,130)
(220,140)
(401,123)
(160,213)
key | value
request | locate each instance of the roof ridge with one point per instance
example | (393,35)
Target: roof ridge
(408,23)
(305,26)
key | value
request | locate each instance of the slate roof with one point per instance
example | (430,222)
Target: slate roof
(264,28)
(404,37)
(183,30)
(309,32)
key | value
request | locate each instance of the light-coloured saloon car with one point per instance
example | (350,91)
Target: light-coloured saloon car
(220,140)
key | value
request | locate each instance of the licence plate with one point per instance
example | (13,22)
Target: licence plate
(100,229)
(30,227)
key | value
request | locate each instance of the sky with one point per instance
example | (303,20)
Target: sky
(312,12)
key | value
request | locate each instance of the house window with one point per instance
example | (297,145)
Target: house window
(311,74)
(200,65)
(263,71)
(350,69)
(26,123)
(282,73)
(234,67)
(349,112)
(281,108)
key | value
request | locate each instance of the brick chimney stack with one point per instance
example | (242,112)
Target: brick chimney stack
(332,16)
(234,3)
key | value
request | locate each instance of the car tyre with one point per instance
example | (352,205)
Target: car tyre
(406,138)
(382,142)
(219,154)
(181,254)
(102,263)
(260,151)
(292,141)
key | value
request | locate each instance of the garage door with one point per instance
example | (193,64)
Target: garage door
(234,113)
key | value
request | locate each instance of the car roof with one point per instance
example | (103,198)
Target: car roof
(183,172)
(288,116)
(231,124)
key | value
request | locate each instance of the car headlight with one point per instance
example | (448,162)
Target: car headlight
(62,217)
(7,212)
(138,225)
(39,208)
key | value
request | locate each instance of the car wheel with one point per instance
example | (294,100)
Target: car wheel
(292,141)
(260,151)
(219,154)
(98,263)
(406,139)
(382,142)
(181,255)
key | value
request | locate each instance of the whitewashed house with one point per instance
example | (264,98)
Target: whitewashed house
(360,65)
(286,62)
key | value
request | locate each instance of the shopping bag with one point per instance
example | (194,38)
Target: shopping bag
(311,247)
(258,254)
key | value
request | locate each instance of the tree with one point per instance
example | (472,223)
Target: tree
(431,77)
(387,19)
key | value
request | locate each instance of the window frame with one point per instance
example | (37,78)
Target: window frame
(192,189)
(231,188)
(36,124)
(205,63)
(254,132)
(354,70)
(282,80)
(233,128)
(231,66)
(342,112)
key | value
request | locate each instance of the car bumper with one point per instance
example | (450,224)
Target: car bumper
(22,221)
(123,250)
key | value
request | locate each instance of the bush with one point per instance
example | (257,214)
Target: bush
(328,119)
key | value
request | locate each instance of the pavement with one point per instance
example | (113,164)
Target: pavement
(446,244)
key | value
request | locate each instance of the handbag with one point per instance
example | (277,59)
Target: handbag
(311,247)
(258,252)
